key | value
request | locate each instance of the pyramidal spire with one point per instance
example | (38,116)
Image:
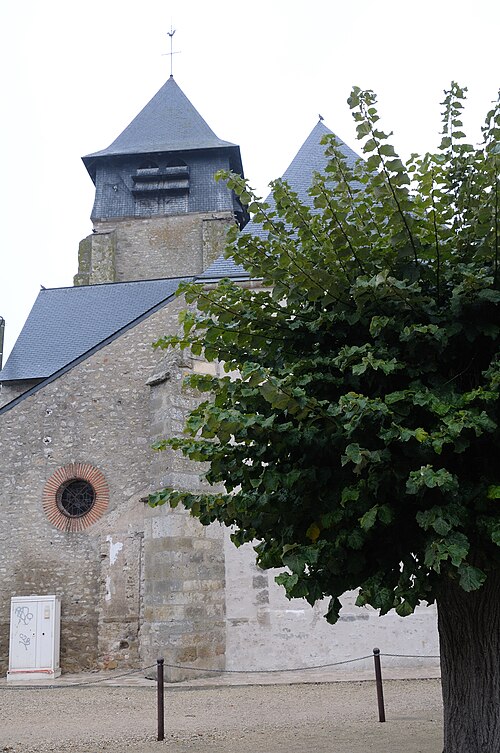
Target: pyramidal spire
(310,159)
(168,123)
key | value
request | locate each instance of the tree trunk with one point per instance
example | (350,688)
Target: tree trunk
(469,635)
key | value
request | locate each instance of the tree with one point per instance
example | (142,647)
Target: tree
(359,441)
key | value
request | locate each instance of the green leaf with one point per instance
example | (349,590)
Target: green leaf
(367,521)
(421,435)
(363,129)
(349,494)
(471,578)
(441,526)
(369,146)
(395,165)
(404,609)
(334,607)
(495,535)
(353,453)
(387,150)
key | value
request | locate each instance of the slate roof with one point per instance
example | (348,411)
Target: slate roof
(299,174)
(223,267)
(65,323)
(168,123)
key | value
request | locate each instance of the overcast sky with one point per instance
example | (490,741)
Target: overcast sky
(76,73)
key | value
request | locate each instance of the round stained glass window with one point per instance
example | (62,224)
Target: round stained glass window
(75,498)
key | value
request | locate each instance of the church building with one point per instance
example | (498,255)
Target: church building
(84,396)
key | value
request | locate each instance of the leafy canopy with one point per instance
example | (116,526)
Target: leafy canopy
(359,441)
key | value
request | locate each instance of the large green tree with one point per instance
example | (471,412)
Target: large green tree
(359,441)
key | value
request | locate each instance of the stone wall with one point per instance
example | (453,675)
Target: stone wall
(184,573)
(134,563)
(96,259)
(265,630)
(184,594)
(153,248)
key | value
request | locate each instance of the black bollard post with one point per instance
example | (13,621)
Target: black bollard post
(378,682)
(161,702)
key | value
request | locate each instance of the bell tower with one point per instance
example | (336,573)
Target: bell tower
(158,211)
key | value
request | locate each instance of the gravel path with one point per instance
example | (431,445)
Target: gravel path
(325,718)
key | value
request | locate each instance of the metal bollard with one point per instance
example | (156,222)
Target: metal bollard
(160,699)
(378,682)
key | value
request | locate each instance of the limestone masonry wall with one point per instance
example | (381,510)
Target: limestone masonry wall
(156,247)
(132,564)
(267,631)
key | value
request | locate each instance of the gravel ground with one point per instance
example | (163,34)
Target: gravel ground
(327,718)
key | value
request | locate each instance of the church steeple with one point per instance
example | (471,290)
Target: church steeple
(161,166)
(163,163)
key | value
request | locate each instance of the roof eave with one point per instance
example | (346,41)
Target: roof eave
(91,161)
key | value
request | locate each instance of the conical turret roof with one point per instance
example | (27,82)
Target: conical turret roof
(168,123)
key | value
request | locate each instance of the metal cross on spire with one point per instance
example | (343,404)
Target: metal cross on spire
(171,53)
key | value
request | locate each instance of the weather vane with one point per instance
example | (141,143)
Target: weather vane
(171,53)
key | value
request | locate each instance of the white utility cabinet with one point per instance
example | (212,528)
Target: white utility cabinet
(34,638)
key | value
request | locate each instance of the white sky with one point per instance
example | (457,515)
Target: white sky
(76,72)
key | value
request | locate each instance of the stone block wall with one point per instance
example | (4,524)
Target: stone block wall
(96,259)
(184,588)
(152,248)
(184,596)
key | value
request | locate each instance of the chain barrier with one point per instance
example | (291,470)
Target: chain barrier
(412,656)
(160,689)
(207,670)
(267,671)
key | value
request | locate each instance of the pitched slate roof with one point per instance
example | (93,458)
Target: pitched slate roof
(168,123)
(299,174)
(65,323)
